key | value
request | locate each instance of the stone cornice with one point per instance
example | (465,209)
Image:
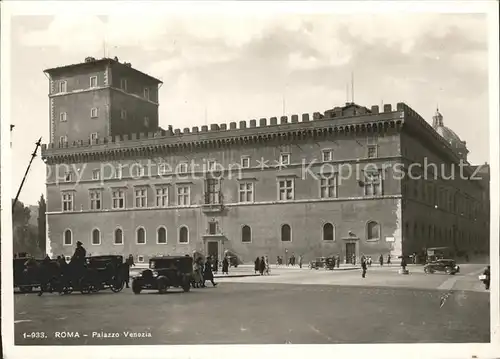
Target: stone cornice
(164,143)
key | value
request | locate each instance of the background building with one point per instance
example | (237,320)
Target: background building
(333,183)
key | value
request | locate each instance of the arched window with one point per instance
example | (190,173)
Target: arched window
(286,233)
(246,234)
(96,237)
(141,236)
(328,232)
(161,236)
(68,237)
(118,236)
(183,235)
(372,231)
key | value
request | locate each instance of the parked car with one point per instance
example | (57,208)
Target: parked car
(447,266)
(317,263)
(165,272)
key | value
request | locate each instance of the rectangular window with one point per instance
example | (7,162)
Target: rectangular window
(328,187)
(246,192)
(212,228)
(123,84)
(212,192)
(183,167)
(95,200)
(285,159)
(123,114)
(140,259)
(162,196)
(118,172)
(327,155)
(93,81)
(373,184)
(93,112)
(63,140)
(372,151)
(211,165)
(63,87)
(162,169)
(67,201)
(63,117)
(118,198)
(286,190)
(183,196)
(94,136)
(141,197)
(146,93)
(96,175)
(245,162)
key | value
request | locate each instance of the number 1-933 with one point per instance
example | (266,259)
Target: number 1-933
(35,335)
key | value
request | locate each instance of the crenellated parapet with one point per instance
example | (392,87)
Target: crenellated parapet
(284,129)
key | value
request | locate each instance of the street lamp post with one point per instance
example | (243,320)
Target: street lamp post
(286,252)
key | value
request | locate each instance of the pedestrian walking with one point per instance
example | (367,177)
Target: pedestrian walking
(338,261)
(369,261)
(215,265)
(353,260)
(300,261)
(381,260)
(388,259)
(207,273)
(262,266)
(225,266)
(129,262)
(266,263)
(256,265)
(403,263)
(363,267)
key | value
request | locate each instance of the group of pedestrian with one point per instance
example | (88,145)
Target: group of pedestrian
(204,270)
(381,260)
(261,265)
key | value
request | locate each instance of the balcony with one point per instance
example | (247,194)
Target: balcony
(213,203)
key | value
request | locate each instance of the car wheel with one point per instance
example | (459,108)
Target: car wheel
(448,270)
(426,270)
(162,286)
(136,287)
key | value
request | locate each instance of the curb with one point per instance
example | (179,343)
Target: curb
(236,276)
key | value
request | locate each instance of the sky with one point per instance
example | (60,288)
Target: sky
(218,68)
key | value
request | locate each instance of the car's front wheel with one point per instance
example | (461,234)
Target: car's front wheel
(136,287)
(162,286)
(448,270)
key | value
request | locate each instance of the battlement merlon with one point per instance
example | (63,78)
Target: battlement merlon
(91,62)
(225,133)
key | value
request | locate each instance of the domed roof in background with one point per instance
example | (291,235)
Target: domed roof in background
(449,135)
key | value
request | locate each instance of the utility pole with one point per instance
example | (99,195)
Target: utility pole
(33,155)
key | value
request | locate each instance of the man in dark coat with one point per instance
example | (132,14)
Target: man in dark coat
(215,265)
(207,273)
(44,275)
(381,260)
(363,267)
(225,266)
(338,261)
(129,262)
(486,281)
(388,259)
(262,265)
(256,265)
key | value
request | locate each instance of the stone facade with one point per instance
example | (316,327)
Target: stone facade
(312,185)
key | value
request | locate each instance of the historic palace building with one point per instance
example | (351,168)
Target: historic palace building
(349,181)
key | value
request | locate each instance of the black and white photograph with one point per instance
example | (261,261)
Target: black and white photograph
(246,174)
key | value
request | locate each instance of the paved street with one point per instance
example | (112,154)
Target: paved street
(299,306)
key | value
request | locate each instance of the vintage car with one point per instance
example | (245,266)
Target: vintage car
(24,279)
(27,279)
(317,263)
(447,266)
(165,272)
(102,272)
(329,263)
